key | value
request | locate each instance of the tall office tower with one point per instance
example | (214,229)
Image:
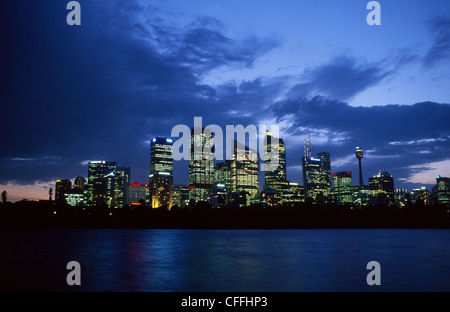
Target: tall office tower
(201,164)
(326,172)
(180,196)
(62,187)
(275,153)
(316,172)
(382,188)
(222,173)
(343,189)
(161,160)
(101,183)
(443,190)
(161,173)
(137,192)
(79,183)
(245,172)
(121,186)
(359,155)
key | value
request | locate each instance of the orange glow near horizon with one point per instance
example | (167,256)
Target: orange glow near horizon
(17,192)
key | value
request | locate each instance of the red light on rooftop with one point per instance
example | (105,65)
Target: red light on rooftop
(192,187)
(136,184)
(348,172)
(135,204)
(334,173)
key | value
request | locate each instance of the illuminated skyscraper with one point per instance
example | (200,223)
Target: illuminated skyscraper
(343,189)
(121,187)
(245,171)
(443,190)
(180,195)
(223,173)
(137,192)
(326,172)
(62,187)
(161,160)
(382,188)
(101,183)
(80,183)
(275,152)
(201,164)
(316,173)
(161,173)
(223,176)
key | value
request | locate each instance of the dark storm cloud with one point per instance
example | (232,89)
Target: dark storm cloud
(341,78)
(396,122)
(440,48)
(205,49)
(396,136)
(101,90)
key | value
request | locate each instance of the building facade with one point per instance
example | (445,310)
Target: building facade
(274,162)
(201,164)
(161,173)
(245,172)
(342,187)
(62,187)
(382,188)
(443,190)
(101,183)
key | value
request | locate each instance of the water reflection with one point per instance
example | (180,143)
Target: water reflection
(226,260)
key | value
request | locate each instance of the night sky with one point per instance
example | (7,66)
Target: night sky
(135,69)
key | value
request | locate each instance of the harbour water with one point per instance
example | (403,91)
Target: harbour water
(166,260)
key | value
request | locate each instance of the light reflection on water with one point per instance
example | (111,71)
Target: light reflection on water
(226,260)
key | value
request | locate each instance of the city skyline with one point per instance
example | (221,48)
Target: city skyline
(233,181)
(132,71)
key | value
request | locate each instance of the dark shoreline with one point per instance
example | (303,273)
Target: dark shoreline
(302,216)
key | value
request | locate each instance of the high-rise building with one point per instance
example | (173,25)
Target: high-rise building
(343,189)
(161,173)
(382,188)
(420,194)
(137,192)
(201,164)
(223,173)
(121,185)
(180,196)
(326,171)
(316,173)
(291,194)
(218,196)
(62,187)
(443,190)
(79,183)
(361,195)
(161,160)
(245,172)
(274,162)
(101,183)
